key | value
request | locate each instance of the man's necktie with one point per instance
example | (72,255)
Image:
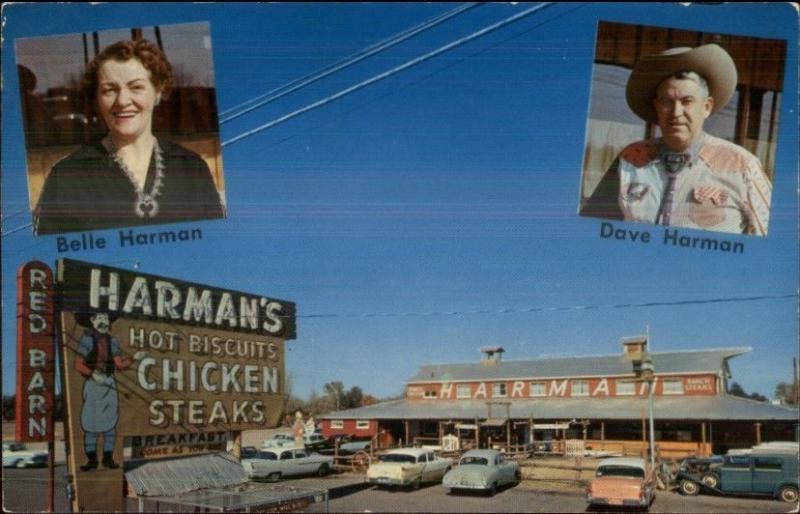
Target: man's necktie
(673,164)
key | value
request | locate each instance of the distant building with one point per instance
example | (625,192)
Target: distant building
(594,401)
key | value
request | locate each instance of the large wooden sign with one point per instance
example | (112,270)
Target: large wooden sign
(35,353)
(87,287)
(145,355)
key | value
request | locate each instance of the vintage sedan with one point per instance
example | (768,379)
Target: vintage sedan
(17,455)
(278,463)
(768,473)
(484,470)
(408,467)
(279,441)
(622,482)
(352,446)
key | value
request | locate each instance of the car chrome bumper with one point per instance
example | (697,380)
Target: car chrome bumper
(616,502)
(389,481)
(466,486)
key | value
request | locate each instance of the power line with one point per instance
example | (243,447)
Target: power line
(15,213)
(297,84)
(516,310)
(386,74)
(27,225)
(453,63)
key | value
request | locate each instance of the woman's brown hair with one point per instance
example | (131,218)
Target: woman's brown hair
(151,57)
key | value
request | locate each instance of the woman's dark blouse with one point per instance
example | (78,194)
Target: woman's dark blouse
(89,191)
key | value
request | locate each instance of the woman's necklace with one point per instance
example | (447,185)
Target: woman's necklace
(146,205)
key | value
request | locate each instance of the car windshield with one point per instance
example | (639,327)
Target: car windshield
(397,457)
(16,447)
(267,456)
(474,461)
(620,471)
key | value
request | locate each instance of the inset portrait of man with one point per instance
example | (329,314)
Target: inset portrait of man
(685,176)
(136,143)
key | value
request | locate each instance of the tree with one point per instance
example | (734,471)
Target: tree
(787,393)
(736,390)
(336,392)
(368,399)
(291,402)
(354,397)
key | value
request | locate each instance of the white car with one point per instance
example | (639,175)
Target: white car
(278,463)
(485,470)
(408,467)
(16,455)
(279,441)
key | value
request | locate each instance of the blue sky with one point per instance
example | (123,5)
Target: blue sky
(449,188)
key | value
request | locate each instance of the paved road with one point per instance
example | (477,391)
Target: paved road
(525,499)
(25,490)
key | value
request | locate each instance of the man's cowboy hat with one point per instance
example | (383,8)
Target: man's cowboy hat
(709,61)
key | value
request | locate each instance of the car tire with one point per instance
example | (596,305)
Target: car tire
(20,464)
(710,480)
(689,488)
(323,470)
(493,489)
(788,494)
(274,476)
(416,484)
(517,477)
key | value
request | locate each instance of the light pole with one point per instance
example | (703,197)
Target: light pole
(645,370)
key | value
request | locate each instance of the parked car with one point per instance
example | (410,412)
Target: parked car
(483,470)
(408,467)
(769,447)
(279,441)
(355,446)
(314,441)
(278,463)
(757,473)
(622,481)
(698,470)
(248,452)
(17,455)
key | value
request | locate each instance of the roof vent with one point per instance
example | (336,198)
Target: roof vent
(634,346)
(491,354)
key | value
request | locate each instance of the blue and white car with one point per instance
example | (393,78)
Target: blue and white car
(484,470)
(17,455)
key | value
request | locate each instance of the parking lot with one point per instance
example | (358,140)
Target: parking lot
(25,490)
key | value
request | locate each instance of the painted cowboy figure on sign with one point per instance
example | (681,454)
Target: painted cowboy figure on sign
(98,356)
(129,177)
(687,177)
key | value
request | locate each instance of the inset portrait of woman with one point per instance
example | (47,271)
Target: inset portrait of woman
(125,173)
